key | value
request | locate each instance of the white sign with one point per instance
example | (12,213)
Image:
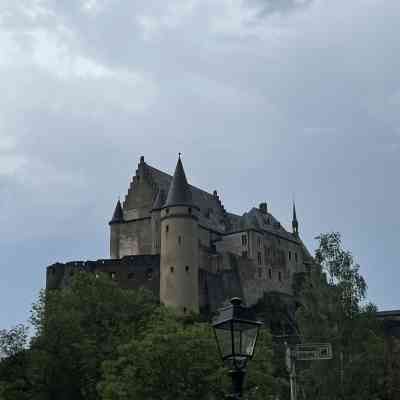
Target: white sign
(313,351)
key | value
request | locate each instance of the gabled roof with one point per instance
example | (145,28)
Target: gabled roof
(179,192)
(160,200)
(212,212)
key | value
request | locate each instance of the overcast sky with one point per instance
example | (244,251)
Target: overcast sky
(266,99)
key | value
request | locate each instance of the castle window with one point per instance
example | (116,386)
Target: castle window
(259,258)
(260,272)
(280,276)
(190,210)
(113,275)
(290,255)
(295,256)
(172,269)
(179,240)
(187,268)
(270,273)
(184,309)
(131,275)
(269,251)
(167,229)
(149,274)
(259,243)
(167,211)
(244,240)
(244,254)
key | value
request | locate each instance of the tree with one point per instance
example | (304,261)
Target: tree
(79,327)
(14,384)
(332,310)
(175,359)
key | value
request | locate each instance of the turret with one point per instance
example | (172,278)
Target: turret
(115,230)
(179,263)
(295,223)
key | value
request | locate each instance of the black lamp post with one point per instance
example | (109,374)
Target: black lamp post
(236,331)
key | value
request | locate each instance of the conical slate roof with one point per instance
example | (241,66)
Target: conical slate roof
(118,215)
(160,200)
(179,191)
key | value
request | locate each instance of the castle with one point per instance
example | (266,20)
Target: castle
(179,242)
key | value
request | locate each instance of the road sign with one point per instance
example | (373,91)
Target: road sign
(313,351)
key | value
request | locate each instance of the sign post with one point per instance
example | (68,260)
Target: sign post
(304,352)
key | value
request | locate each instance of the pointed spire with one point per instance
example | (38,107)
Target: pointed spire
(118,215)
(295,223)
(179,191)
(159,200)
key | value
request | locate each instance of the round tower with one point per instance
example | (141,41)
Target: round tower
(179,263)
(115,231)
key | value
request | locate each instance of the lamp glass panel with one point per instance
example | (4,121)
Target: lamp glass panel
(224,338)
(245,335)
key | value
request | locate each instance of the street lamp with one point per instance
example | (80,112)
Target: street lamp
(236,331)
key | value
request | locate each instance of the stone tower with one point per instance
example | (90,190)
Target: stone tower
(179,263)
(115,230)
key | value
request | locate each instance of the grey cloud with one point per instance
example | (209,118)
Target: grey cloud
(268,7)
(257,116)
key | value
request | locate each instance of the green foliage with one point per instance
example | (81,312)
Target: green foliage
(332,311)
(173,360)
(77,329)
(13,341)
(96,341)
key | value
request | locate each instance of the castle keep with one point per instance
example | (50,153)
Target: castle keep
(179,241)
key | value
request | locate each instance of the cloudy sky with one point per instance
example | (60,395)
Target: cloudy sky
(266,99)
